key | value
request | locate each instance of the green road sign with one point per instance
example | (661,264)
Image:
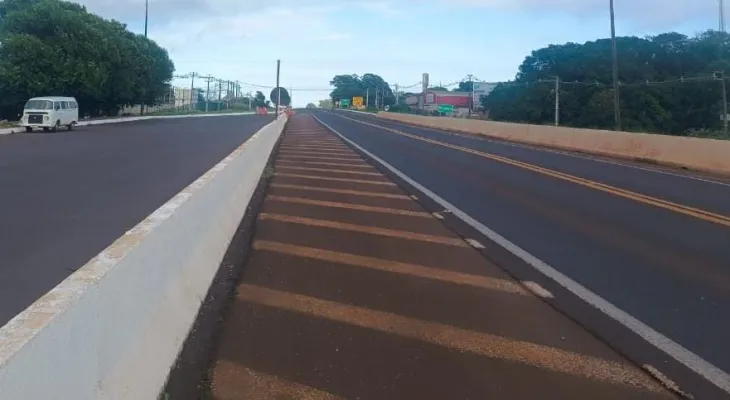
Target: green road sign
(446,108)
(345,103)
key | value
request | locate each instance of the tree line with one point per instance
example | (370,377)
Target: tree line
(52,47)
(670,83)
(369,85)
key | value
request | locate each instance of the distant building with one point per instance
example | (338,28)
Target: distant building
(434,98)
(431,99)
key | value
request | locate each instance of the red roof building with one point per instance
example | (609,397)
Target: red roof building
(456,99)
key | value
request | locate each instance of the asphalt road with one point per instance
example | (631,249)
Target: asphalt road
(64,197)
(667,267)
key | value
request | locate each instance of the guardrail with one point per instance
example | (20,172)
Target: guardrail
(707,155)
(113,329)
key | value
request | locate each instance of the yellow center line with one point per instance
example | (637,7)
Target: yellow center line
(338,171)
(328,152)
(316,157)
(358,165)
(340,191)
(371,230)
(313,147)
(642,198)
(232,380)
(348,206)
(436,274)
(329,178)
(458,339)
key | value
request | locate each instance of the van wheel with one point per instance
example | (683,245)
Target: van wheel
(45,129)
(55,127)
(28,129)
(71,126)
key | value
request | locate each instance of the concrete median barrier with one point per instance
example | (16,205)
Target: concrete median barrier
(113,329)
(705,155)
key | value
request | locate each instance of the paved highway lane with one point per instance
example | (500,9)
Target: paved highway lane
(668,268)
(707,193)
(64,197)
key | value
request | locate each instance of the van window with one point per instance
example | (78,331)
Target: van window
(57,105)
(39,105)
(64,105)
(73,105)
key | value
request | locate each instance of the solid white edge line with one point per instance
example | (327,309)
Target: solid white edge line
(687,358)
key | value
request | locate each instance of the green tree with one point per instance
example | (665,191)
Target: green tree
(693,101)
(369,85)
(438,89)
(52,47)
(465,86)
(311,105)
(259,100)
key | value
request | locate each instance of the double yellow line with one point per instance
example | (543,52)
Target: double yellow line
(667,205)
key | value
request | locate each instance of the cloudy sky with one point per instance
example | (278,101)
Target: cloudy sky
(399,40)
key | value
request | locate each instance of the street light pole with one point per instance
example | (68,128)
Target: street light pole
(146,15)
(616,98)
(278,89)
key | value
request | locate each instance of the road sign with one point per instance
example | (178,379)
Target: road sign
(357,101)
(345,103)
(387,108)
(446,108)
(285,98)
(481,89)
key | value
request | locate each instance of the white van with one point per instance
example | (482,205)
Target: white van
(50,113)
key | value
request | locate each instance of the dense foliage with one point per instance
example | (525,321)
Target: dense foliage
(349,86)
(259,100)
(683,97)
(52,47)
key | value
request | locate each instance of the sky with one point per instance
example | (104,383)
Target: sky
(396,39)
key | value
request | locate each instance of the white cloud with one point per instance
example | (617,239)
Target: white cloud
(644,13)
(241,39)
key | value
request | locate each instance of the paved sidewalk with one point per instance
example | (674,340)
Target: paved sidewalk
(352,291)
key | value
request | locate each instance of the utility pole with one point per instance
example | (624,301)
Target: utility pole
(557,101)
(721,76)
(146,15)
(722,15)
(367,97)
(396,94)
(616,98)
(278,90)
(192,89)
(470,79)
(220,87)
(208,79)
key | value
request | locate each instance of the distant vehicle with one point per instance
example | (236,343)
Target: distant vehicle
(50,113)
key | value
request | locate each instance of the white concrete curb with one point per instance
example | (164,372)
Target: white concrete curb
(6,131)
(114,328)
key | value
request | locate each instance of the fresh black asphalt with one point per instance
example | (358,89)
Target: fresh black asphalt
(669,270)
(64,197)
